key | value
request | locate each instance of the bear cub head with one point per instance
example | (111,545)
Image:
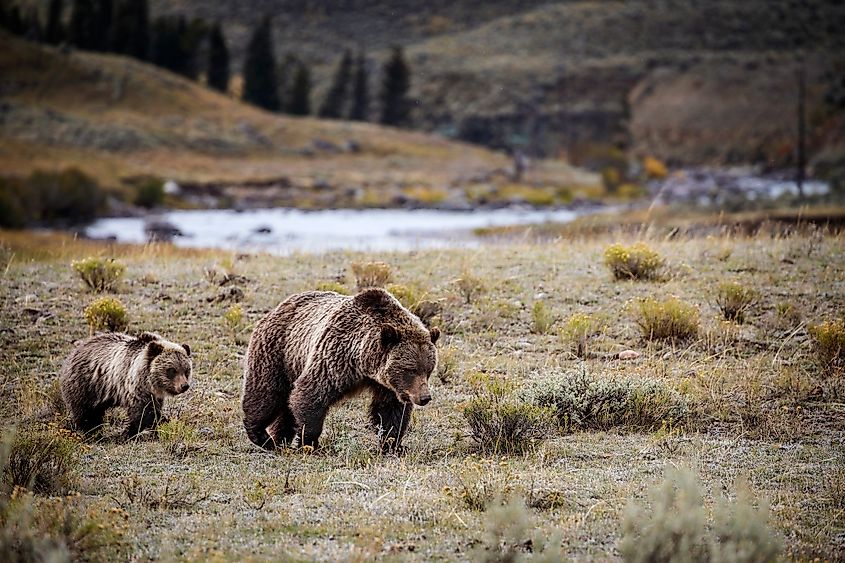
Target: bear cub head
(410,355)
(170,366)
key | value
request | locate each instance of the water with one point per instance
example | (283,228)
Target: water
(282,231)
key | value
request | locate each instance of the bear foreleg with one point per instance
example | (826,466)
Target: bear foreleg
(390,417)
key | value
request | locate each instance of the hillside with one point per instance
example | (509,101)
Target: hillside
(118,119)
(555,77)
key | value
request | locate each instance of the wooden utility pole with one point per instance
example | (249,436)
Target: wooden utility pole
(802,131)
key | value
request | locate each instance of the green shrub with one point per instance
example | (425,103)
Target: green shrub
(371,274)
(542,318)
(43,460)
(669,319)
(106,314)
(501,423)
(636,262)
(149,193)
(579,328)
(734,300)
(585,402)
(408,296)
(177,438)
(674,527)
(829,346)
(337,287)
(98,274)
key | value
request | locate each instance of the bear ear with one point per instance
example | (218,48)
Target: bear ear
(187,349)
(389,336)
(148,337)
(435,334)
(375,299)
(154,349)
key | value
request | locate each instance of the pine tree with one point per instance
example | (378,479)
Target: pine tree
(396,108)
(130,34)
(260,69)
(218,60)
(54,32)
(335,101)
(82,31)
(360,109)
(166,48)
(300,92)
(104,14)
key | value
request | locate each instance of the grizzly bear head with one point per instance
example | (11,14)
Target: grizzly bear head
(408,351)
(169,367)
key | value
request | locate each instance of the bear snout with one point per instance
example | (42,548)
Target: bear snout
(185,387)
(424,400)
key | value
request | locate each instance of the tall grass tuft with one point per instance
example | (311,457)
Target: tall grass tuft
(667,319)
(371,274)
(829,346)
(43,460)
(542,318)
(734,300)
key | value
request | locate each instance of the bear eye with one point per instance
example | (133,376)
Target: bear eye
(171,372)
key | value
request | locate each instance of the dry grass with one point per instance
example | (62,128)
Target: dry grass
(759,406)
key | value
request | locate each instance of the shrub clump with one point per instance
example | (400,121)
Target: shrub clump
(579,329)
(585,402)
(106,314)
(233,318)
(734,300)
(667,319)
(542,318)
(829,346)
(501,423)
(636,262)
(371,274)
(149,192)
(469,286)
(337,287)
(674,527)
(43,460)
(65,197)
(98,274)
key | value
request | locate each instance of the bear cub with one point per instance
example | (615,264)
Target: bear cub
(318,347)
(119,370)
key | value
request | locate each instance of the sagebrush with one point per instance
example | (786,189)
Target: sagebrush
(99,274)
(582,401)
(667,319)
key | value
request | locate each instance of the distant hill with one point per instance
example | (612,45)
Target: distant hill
(118,119)
(553,77)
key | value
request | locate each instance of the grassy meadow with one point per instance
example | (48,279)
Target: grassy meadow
(754,412)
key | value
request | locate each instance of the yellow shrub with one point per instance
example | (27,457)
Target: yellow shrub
(655,168)
(106,313)
(829,345)
(633,262)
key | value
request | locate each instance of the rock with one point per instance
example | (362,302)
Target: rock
(628,355)
(263,230)
(161,230)
(235,294)
(172,188)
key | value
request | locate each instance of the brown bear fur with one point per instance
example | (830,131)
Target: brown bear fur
(318,347)
(118,370)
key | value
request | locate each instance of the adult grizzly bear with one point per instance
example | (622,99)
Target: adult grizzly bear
(119,370)
(318,347)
